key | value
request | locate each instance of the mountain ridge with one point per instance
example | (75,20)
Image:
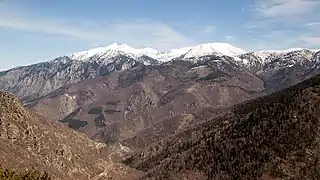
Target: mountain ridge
(270,137)
(196,51)
(39,79)
(131,102)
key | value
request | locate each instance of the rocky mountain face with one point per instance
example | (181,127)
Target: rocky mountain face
(122,95)
(40,79)
(164,110)
(34,81)
(288,68)
(27,140)
(116,107)
(272,137)
(254,61)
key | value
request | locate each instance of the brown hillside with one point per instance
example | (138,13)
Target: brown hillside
(119,106)
(29,141)
(273,137)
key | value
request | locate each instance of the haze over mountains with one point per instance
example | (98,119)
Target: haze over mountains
(156,110)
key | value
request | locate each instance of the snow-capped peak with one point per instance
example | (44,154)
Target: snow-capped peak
(105,52)
(288,50)
(194,52)
(265,56)
(116,49)
(262,54)
(180,51)
(147,51)
(252,58)
(117,46)
(173,53)
(213,49)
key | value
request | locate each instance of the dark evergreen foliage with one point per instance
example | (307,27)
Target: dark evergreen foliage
(276,135)
(9,174)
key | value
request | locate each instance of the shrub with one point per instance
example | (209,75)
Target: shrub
(8,174)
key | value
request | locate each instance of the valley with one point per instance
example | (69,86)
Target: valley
(212,111)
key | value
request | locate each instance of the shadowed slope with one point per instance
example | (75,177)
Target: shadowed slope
(276,136)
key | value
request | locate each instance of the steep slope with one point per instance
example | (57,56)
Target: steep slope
(115,100)
(276,136)
(288,68)
(36,80)
(116,107)
(40,79)
(316,67)
(171,126)
(254,61)
(27,140)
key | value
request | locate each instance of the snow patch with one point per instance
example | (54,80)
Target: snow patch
(124,148)
(200,67)
(173,53)
(287,50)
(113,50)
(213,49)
(125,66)
(70,97)
(245,61)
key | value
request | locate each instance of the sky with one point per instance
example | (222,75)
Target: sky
(32,31)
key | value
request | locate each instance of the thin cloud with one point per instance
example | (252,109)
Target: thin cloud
(313,28)
(313,24)
(209,29)
(254,25)
(137,33)
(277,34)
(281,24)
(47,28)
(312,41)
(230,38)
(284,8)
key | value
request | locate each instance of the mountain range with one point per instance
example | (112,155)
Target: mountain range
(36,80)
(116,49)
(154,110)
(271,137)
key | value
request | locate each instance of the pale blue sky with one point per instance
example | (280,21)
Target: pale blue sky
(38,30)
